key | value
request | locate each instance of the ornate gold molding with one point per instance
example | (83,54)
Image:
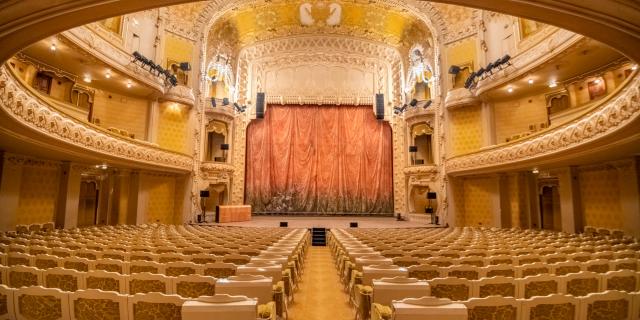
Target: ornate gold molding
(34,113)
(609,117)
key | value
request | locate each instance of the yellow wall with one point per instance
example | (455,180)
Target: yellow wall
(177,49)
(466,130)
(600,196)
(517,200)
(124,113)
(172,126)
(38,194)
(473,201)
(514,117)
(477,201)
(463,52)
(162,191)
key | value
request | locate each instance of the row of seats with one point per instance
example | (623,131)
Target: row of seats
(609,305)
(158,260)
(458,289)
(34,303)
(188,286)
(450,263)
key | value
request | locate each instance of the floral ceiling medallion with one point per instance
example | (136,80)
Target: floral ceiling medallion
(320,13)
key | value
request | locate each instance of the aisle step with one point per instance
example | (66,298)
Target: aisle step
(319,236)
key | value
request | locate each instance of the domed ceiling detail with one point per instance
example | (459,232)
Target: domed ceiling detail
(268,20)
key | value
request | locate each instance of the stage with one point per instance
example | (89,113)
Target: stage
(414,221)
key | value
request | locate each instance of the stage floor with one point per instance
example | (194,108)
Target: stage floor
(415,221)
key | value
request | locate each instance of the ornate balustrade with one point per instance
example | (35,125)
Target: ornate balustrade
(35,113)
(604,121)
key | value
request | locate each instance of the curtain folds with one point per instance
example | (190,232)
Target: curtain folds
(319,159)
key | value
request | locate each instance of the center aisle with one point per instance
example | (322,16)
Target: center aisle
(320,295)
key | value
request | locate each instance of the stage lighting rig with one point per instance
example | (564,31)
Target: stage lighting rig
(156,69)
(239,108)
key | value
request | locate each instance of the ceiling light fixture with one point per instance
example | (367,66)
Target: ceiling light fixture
(535,171)
(53,47)
(597,81)
(108,74)
(87,78)
(510,89)
(553,84)
(129,84)
(530,81)
(635,67)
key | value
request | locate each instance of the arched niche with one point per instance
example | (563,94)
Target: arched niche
(418,202)
(420,75)
(422,138)
(218,195)
(217,136)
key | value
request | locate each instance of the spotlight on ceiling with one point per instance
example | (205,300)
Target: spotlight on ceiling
(597,81)
(535,171)
(53,47)
(103,166)
(510,89)
(635,67)
(108,74)
(553,84)
(530,81)
(129,84)
(87,78)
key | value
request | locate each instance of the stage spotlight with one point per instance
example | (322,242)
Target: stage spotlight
(413,103)
(213,102)
(505,59)
(225,102)
(427,104)
(185,66)
(454,69)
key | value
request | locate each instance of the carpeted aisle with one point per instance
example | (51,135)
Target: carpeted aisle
(320,295)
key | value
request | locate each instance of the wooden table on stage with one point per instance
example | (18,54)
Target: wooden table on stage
(233,213)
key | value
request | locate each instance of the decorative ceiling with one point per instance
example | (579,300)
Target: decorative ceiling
(265,20)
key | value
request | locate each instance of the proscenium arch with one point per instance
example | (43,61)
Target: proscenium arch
(613,22)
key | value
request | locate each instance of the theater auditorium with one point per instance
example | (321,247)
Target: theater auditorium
(319,159)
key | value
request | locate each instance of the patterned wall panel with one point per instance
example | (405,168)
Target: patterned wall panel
(600,195)
(172,126)
(466,130)
(177,49)
(477,201)
(38,194)
(517,201)
(457,187)
(162,195)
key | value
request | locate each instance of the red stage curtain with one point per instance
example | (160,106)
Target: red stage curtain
(319,159)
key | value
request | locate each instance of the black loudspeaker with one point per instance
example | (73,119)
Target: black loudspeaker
(225,101)
(431,195)
(204,194)
(284,224)
(224,146)
(185,66)
(353,224)
(260,105)
(413,103)
(380,106)
(213,102)
(413,149)
(454,69)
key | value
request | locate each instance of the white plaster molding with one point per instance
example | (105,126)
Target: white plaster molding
(181,94)
(529,59)
(34,113)
(112,55)
(609,117)
(459,97)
